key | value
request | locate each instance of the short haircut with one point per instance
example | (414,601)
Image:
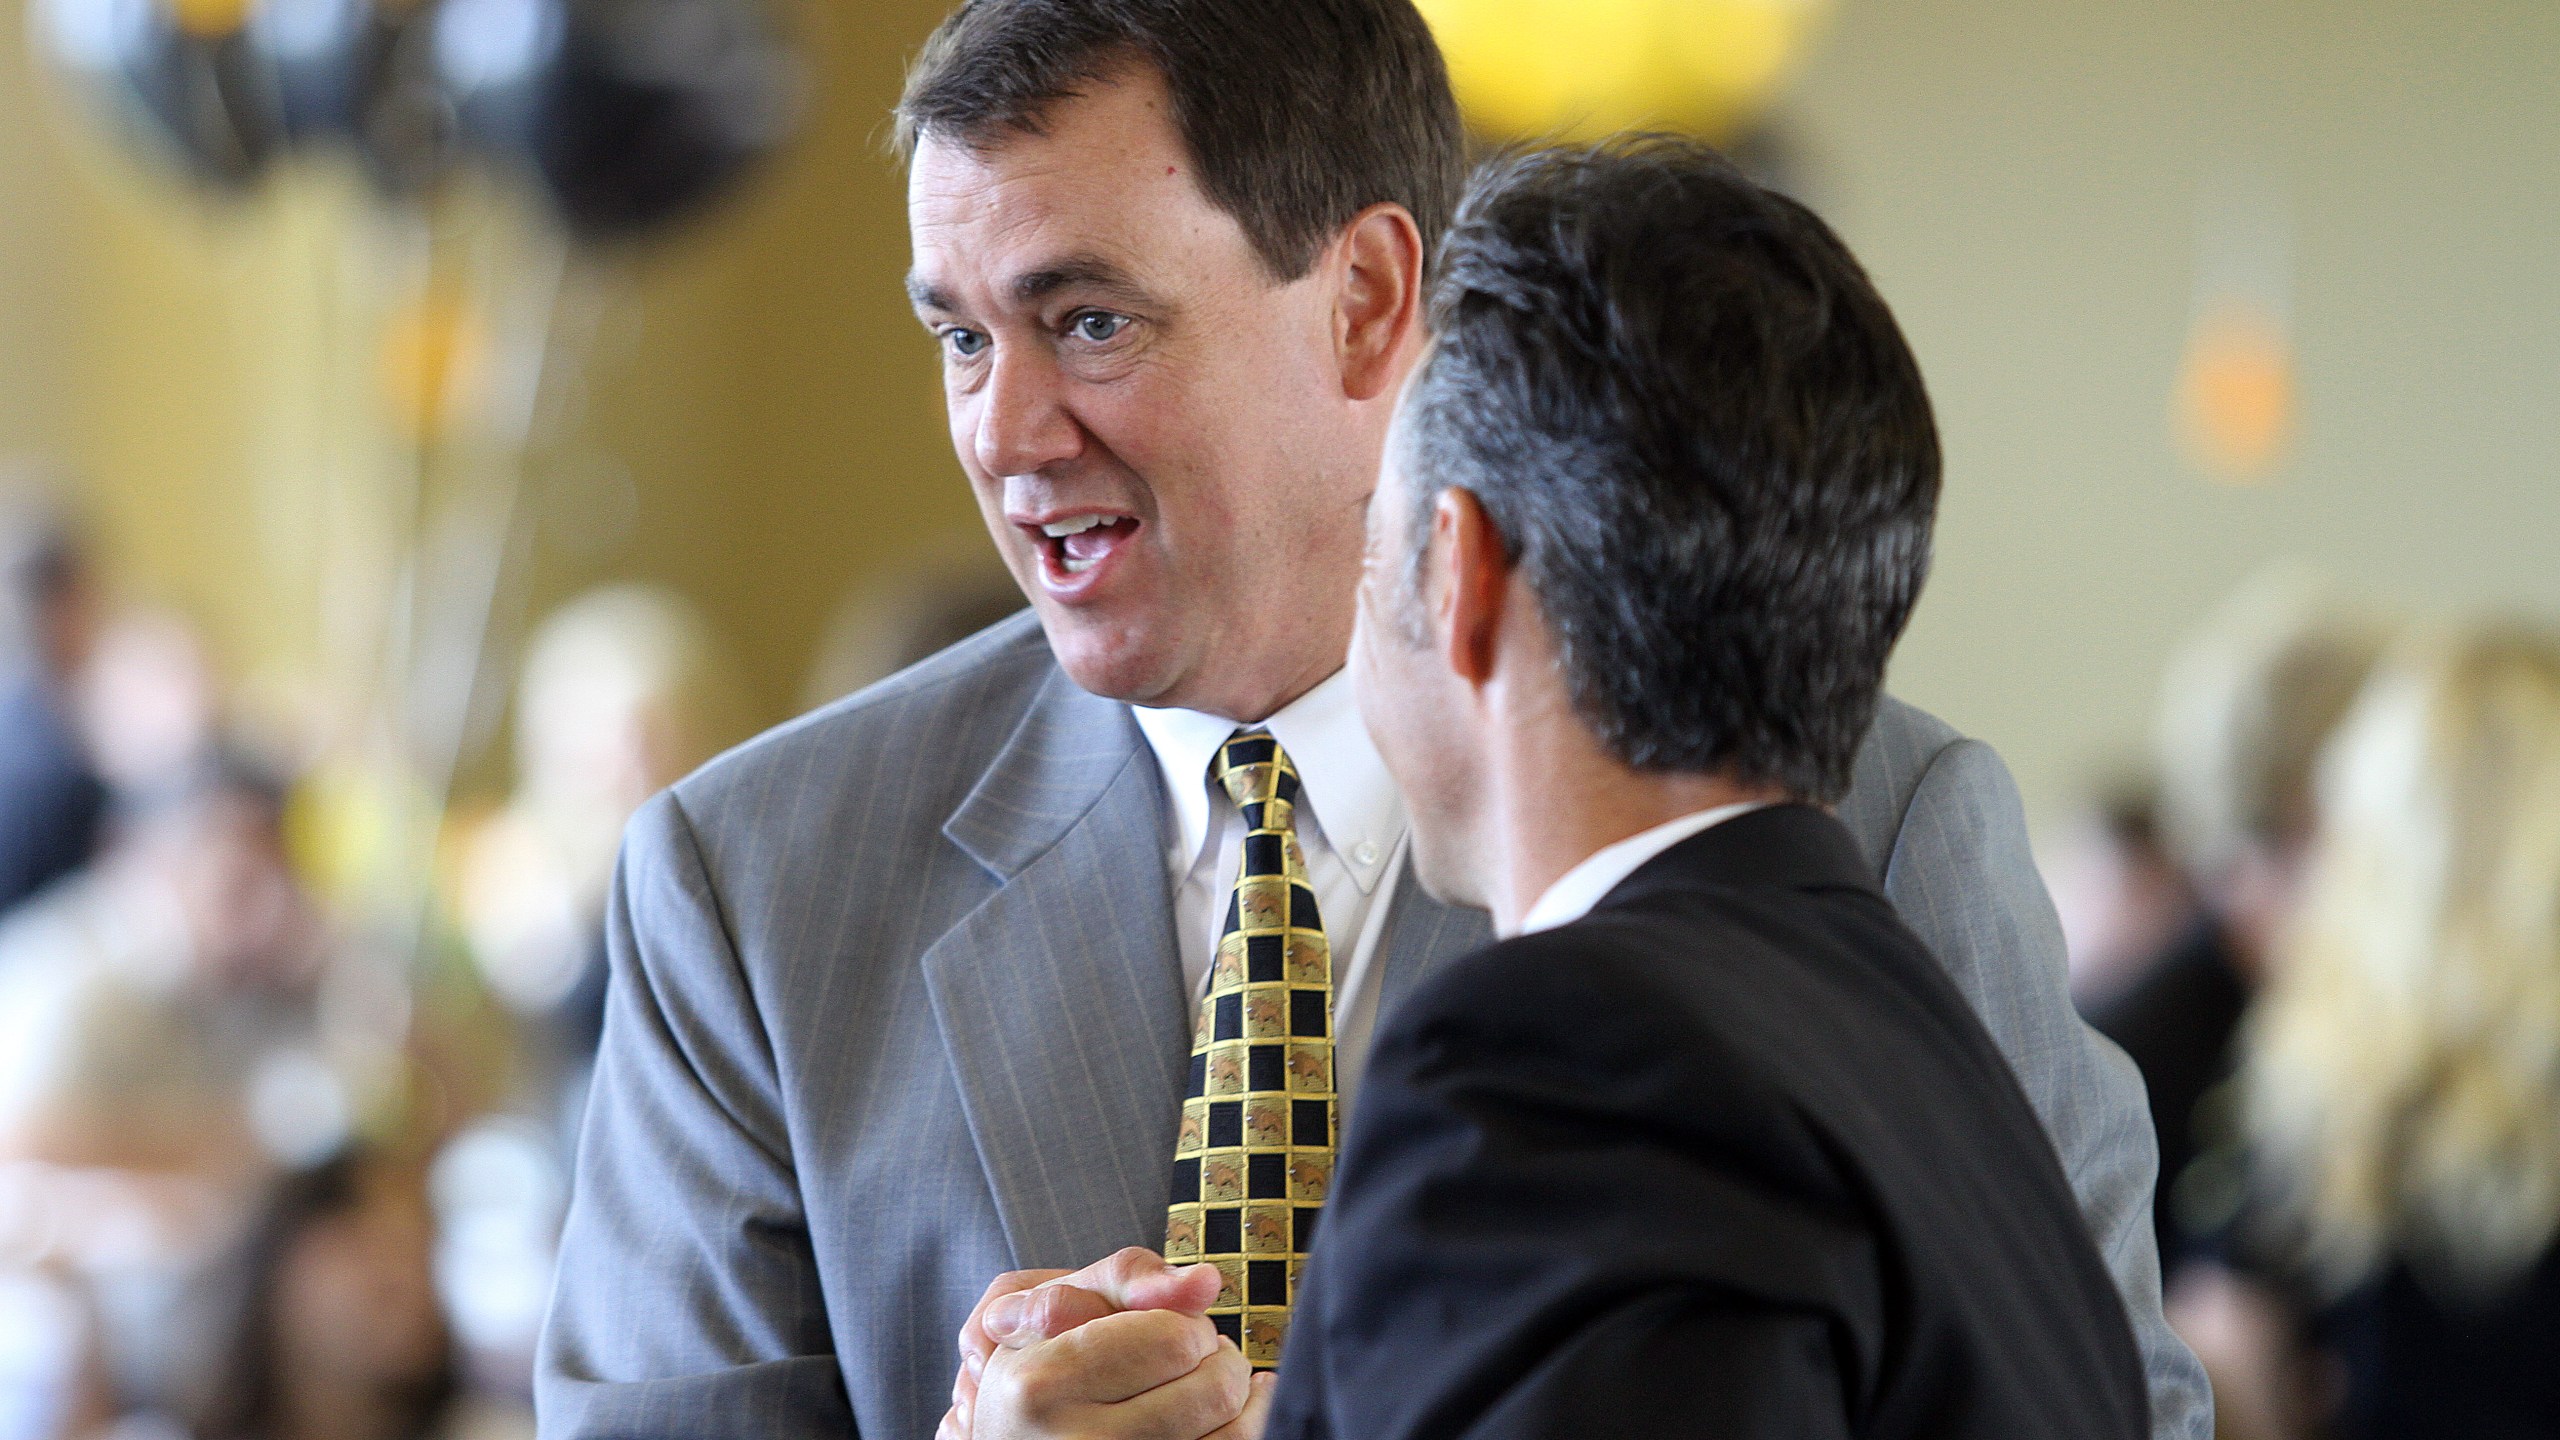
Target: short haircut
(1298,115)
(1698,431)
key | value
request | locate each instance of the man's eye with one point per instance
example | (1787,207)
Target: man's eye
(1098,326)
(964,343)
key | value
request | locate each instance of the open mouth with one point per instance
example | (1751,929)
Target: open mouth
(1074,546)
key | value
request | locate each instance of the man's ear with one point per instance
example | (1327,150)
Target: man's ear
(1377,313)
(1476,567)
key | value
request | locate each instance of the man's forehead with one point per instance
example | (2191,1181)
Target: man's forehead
(1105,182)
(1015,235)
(1020,208)
(1108,146)
(1019,239)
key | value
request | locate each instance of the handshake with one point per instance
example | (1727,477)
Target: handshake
(1122,1347)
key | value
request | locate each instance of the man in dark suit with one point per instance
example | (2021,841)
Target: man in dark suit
(1708,1143)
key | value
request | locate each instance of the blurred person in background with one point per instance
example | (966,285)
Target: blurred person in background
(138,1000)
(333,1328)
(2119,889)
(2246,705)
(52,799)
(148,703)
(159,1055)
(623,692)
(2402,1072)
(909,615)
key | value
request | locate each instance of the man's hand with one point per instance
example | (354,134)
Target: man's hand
(1052,1302)
(1038,1351)
(1135,1375)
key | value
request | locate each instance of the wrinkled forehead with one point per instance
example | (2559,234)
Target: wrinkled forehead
(1106,178)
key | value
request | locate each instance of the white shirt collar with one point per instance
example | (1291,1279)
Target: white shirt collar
(1348,792)
(1587,884)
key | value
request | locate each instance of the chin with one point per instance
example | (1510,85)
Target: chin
(1113,661)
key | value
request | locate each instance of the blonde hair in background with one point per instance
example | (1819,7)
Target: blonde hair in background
(625,688)
(943,593)
(2403,1069)
(2246,703)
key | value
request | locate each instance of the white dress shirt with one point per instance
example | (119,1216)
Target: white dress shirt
(1587,884)
(1351,827)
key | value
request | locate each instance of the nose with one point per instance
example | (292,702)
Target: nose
(1023,423)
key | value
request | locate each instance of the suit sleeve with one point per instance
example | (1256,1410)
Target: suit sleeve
(1962,877)
(687,1301)
(1651,1273)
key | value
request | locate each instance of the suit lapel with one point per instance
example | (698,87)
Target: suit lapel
(1060,997)
(1422,933)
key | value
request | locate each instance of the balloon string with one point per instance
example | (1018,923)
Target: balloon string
(494,587)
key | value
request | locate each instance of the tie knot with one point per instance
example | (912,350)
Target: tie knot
(1258,775)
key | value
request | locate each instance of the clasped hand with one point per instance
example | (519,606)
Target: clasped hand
(1121,1348)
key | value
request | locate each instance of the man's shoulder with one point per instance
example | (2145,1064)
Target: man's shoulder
(1732,974)
(1900,747)
(1902,728)
(940,721)
(1599,995)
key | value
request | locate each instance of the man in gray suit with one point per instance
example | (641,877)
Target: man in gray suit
(904,992)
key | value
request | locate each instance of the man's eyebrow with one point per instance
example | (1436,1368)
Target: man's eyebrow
(925,295)
(1080,272)
(1076,272)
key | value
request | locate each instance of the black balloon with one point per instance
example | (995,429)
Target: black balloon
(362,75)
(629,114)
(406,128)
(323,62)
(196,100)
(626,114)
(317,57)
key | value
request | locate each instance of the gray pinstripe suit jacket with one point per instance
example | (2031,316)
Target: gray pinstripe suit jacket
(896,1007)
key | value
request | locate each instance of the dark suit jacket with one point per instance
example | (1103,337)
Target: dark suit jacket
(1728,1157)
(2178,1022)
(51,802)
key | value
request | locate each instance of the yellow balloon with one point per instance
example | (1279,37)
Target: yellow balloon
(1579,69)
(434,357)
(2235,394)
(211,18)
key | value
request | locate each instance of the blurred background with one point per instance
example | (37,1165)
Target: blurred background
(427,428)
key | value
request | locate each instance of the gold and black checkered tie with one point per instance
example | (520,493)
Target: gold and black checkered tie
(1256,1150)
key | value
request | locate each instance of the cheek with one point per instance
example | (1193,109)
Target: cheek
(1366,680)
(1395,699)
(1227,442)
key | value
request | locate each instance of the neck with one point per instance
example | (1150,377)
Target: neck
(1255,706)
(1556,798)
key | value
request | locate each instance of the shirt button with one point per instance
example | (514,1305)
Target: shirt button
(1366,852)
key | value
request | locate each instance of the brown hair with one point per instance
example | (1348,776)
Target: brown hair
(1299,115)
(248,1398)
